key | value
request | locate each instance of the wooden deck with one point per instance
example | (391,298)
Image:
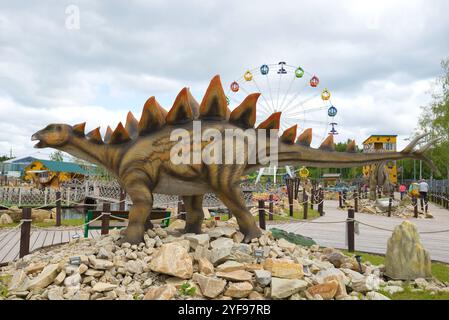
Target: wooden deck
(10,244)
(371,239)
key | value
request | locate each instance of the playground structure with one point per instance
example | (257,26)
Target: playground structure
(293,91)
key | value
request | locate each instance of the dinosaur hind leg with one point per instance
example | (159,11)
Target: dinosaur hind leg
(233,199)
(195,214)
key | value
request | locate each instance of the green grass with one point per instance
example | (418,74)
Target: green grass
(375,259)
(408,294)
(66,223)
(439,270)
(311,214)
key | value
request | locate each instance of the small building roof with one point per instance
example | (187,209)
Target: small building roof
(59,166)
(380,135)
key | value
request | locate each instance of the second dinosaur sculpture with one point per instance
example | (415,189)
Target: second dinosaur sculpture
(139,155)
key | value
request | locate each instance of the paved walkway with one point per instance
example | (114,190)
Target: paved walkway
(371,239)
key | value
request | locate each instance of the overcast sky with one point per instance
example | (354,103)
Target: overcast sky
(378,57)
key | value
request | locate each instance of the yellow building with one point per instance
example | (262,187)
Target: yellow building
(381,143)
(45,173)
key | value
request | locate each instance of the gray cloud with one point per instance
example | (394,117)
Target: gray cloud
(377,57)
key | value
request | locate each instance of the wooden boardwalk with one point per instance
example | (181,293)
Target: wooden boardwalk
(10,243)
(370,239)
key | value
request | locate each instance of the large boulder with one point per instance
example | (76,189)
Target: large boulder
(406,258)
(174,260)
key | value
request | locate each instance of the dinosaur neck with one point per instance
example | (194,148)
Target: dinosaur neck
(100,154)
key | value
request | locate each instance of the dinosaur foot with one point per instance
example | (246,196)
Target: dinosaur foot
(251,234)
(132,234)
(193,229)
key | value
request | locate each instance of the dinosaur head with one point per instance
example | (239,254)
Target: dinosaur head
(53,136)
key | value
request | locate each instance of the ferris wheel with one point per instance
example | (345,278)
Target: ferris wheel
(292,90)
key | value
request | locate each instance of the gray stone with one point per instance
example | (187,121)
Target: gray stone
(263,277)
(220,254)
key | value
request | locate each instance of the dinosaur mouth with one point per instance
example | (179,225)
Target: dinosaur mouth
(40,143)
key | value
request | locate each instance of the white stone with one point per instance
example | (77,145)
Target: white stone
(283,288)
(73,280)
(393,289)
(103,287)
(372,295)
(221,242)
(197,239)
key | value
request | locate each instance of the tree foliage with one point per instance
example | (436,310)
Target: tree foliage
(57,156)
(435,120)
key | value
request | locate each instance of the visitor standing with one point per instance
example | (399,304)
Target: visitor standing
(423,190)
(402,190)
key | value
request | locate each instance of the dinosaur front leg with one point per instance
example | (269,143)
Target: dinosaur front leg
(233,199)
(142,204)
(195,214)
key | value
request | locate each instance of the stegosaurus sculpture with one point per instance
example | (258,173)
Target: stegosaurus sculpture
(139,156)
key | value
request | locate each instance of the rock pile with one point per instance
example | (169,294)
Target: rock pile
(212,265)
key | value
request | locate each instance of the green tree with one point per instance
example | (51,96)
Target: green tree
(57,156)
(435,120)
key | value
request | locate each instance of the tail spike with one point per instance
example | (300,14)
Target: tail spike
(351,147)
(78,129)
(107,135)
(244,116)
(120,135)
(153,117)
(95,136)
(289,135)
(328,143)
(131,125)
(181,112)
(214,105)
(305,139)
(273,122)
